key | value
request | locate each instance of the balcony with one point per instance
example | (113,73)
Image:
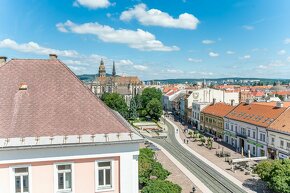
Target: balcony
(242,135)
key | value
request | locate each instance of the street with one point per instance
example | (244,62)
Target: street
(207,175)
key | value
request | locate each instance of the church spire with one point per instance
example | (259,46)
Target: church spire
(102,69)
(114,69)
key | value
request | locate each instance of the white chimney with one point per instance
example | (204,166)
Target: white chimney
(52,56)
(279,104)
(2,60)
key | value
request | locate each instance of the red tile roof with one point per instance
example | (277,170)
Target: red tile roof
(282,123)
(256,113)
(218,109)
(55,102)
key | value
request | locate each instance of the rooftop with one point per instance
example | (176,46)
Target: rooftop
(256,113)
(44,98)
(218,109)
(282,123)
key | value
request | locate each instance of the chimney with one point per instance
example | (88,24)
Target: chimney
(213,101)
(279,104)
(52,56)
(2,60)
(232,102)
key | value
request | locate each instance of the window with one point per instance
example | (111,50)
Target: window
(282,144)
(236,128)
(273,141)
(232,127)
(288,145)
(104,174)
(64,177)
(249,133)
(254,134)
(262,137)
(21,180)
(254,150)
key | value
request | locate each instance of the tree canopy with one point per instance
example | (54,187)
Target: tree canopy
(160,186)
(116,102)
(154,108)
(150,93)
(276,174)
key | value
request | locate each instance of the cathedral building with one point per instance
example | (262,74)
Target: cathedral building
(127,86)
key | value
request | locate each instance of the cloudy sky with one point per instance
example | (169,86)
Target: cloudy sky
(153,39)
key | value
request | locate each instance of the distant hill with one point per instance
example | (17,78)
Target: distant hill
(218,80)
(89,77)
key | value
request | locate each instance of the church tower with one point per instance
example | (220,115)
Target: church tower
(114,69)
(102,69)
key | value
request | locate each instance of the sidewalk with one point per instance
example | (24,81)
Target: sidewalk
(249,182)
(176,176)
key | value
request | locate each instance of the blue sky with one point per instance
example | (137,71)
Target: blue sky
(153,39)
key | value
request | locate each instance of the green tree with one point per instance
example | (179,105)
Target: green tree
(116,102)
(154,109)
(133,113)
(276,174)
(148,94)
(159,171)
(160,186)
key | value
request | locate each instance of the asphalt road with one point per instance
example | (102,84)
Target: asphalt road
(215,181)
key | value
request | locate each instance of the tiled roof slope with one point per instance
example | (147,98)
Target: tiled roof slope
(256,114)
(218,109)
(55,103)
(282,123)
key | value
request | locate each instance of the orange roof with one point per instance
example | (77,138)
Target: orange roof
(282,123)
(256,113)
(282,93)
(218,109)
(273,104)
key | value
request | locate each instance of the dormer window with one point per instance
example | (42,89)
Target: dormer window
(23,86)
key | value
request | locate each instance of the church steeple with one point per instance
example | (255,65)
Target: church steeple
(114,69)
(102,69)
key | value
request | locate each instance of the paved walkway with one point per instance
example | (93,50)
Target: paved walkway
(176,176)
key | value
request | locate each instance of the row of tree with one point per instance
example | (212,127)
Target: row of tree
(148,104)
(276,173)
(152,175)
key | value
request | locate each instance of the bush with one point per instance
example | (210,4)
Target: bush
(159,186)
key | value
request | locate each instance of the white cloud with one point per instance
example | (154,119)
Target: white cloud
(32,47)
(139,39)
(230,52)
(156,17)
(248,27)
(287,41)
(288,59)
(174,71)
(92,4)
(213,54)
(195,60)
(272,65)
(208,41)
(246,57)
(281,52)
(140,67)
(201,73)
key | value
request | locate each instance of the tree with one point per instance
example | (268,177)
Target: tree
(116,102)
(160,186)
(276,174)
(148,94)
(133,114)
(154,109)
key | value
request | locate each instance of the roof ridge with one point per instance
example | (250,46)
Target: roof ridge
(99,100)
